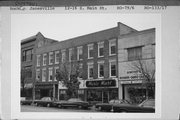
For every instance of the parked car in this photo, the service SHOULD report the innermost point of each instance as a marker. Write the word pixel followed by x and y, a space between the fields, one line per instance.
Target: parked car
pixel 45 101
pixel 72 102
pixel 147 106
pixel 109 106
pixel 25 101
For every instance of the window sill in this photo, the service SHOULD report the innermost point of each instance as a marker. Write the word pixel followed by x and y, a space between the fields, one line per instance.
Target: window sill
pixel 90 58
pixel 100 56
pixel 112 54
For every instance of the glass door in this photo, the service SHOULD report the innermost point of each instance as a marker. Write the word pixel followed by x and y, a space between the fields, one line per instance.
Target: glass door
pixel 105 96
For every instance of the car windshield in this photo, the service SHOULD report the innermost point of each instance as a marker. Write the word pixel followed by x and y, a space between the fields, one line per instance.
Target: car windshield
pixel 46 99
pixel 148 103
pixel 74 100
pixel 120 101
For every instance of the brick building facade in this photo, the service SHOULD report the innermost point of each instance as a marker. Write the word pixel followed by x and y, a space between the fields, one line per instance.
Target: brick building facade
pixel 99 55
pixel 28 60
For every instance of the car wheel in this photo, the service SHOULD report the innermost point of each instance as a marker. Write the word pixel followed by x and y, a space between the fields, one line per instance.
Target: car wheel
pixel 59 106
pixel 80 107
pixel 48 105
pixel 123 111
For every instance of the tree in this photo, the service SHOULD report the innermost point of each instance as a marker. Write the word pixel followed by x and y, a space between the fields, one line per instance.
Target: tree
pixel 68 75
pixel 146 72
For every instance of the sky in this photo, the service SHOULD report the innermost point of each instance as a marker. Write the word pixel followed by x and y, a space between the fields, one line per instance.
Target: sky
pixel 65 26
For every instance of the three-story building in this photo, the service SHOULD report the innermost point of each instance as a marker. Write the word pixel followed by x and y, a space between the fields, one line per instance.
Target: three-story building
pixel 101 58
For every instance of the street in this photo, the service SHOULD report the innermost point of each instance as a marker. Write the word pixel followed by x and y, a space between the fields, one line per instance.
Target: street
pixel 30 108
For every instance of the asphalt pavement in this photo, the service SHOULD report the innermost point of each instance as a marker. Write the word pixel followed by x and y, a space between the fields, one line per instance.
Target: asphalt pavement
pixel 30 108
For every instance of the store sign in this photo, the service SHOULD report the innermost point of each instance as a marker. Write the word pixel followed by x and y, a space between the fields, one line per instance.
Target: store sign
pixel 130 81
pixel 101 83
pixel 44 86
pixel 132 75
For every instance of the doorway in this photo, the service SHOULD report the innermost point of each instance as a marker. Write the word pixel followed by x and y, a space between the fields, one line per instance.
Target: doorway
pixel 105 96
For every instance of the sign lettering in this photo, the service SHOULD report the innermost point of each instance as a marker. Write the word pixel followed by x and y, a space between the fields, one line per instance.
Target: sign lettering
pixel 102 83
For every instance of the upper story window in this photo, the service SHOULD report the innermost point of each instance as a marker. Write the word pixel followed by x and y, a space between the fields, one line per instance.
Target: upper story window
pixel 56 57
pixel 56 70
pixel 50 74
pixel 134 53
pixel 112 47
pixel 101 49
pixel 90 70
pixel 80 70
pixel 50 58
pixel 70 54
pixel 112 65
pixel 27 55
pixel 44 59
pixel 28 71
pixel 43 74
pixel 37 74
pixel 90 51
pixel 101 69
pixel 38 60
pixel 63 52
pixel 79 53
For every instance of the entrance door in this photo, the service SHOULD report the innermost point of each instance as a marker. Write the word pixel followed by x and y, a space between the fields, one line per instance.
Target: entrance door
pixel 105 96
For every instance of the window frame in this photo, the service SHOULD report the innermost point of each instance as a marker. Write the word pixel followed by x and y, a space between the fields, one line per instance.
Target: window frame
pixel 110 63
pixel 110 45
pixel 100 63
pixel 99 46
pixel 63 56
pixel 92 65
pixel 90 45
pixel 57 52
pixel 38 79
pixel 81 70
pixel 49 76
pixel 44 80
pixel 51 53
pixel 25 55
pixel 135 56
pixel 55 69
pixel 38 60
pixel 70 54
pixel 78 52
pixel 45 54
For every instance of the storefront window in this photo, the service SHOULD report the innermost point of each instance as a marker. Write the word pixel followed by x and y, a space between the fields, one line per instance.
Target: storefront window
pixel 105 95
pixel 93 95
pixel 62 95
pixel 81 94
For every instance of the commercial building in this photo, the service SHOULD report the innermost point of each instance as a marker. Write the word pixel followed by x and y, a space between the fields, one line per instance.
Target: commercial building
pixel 136 60
pixel 100 57
pixel 28 60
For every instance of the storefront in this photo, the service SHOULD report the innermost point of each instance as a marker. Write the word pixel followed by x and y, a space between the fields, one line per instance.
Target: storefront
pixel 135 91
pixel 27 91
pixel 101 90
pixel 46 90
